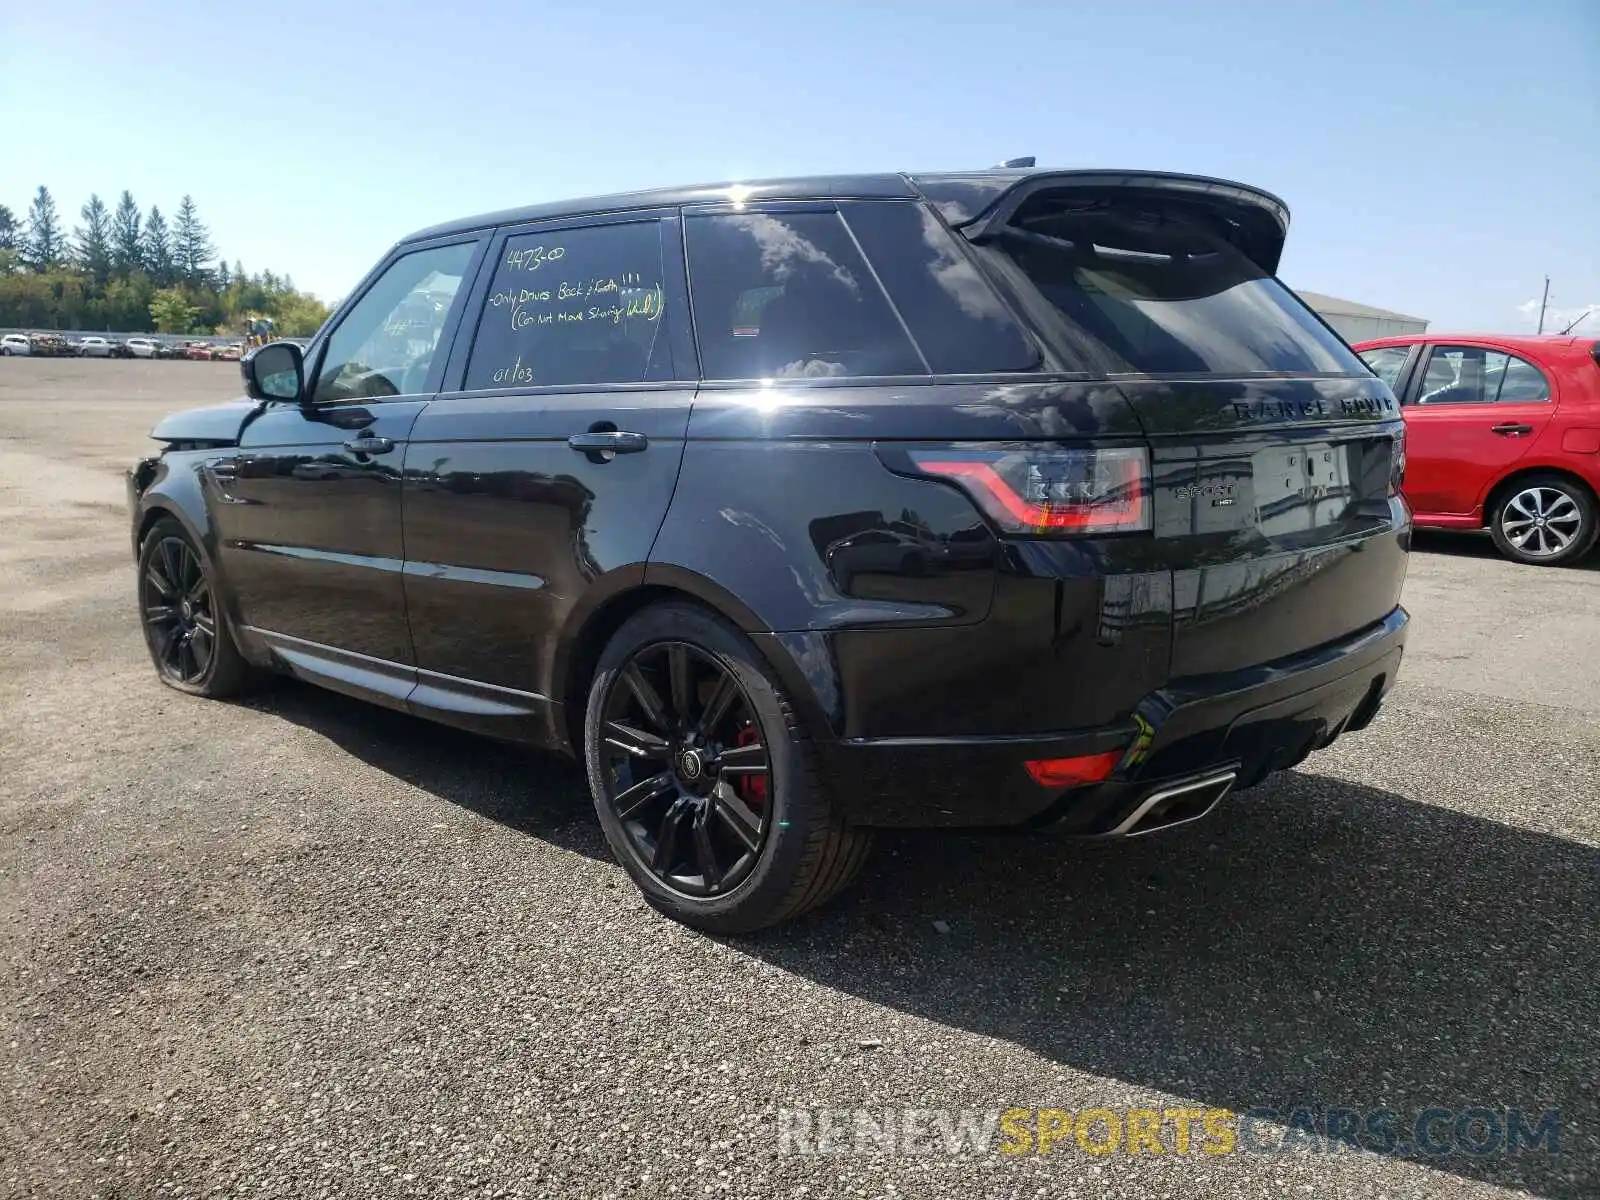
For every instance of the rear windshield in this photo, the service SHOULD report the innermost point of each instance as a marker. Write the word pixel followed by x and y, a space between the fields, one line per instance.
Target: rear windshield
pixel 1128 290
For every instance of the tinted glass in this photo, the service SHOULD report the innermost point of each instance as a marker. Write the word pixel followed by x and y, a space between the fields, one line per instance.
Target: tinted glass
pixel 1387 362
pixel 575 307
pixel 1473 375
pixel 1135 292
pixel 1522 382
pixel 960 324
pixel 786 296
pixel 386 343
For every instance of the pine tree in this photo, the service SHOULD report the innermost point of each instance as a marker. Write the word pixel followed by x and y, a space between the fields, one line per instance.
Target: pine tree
pixel 127 237
pixel 156 248
pixel 10 231
pixel 43 245
pixel 93 239
pixel 191 242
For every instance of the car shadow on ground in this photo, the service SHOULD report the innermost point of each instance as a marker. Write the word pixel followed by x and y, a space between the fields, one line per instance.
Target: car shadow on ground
pixel 545 795
pixel 1480 545
pixel 1315 943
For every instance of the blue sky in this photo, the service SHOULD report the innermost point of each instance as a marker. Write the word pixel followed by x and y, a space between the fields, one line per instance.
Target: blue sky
pixel 1439 158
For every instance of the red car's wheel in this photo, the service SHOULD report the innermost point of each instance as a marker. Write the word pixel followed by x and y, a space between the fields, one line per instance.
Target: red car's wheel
pixel 1544 520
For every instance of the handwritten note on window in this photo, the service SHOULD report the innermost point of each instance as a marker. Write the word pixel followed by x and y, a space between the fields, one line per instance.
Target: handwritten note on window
pixel 585 306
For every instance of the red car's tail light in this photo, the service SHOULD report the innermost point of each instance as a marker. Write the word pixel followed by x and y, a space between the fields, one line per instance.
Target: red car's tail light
pixel 1070 772
pixel 1050 490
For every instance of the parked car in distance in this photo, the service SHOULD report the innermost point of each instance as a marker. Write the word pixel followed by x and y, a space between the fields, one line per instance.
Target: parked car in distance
pixel 142 347
pixel 805 508
pixel 1503 433
pixel 232 352
pixel 94 346
pixel 197 350
pixel 51 345
pixel 15 344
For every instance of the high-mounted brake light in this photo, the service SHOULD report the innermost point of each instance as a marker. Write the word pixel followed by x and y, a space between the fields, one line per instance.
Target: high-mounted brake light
pixel 1050 490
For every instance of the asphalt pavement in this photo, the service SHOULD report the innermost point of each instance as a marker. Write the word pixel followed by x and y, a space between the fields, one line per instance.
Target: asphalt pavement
pixel 297 946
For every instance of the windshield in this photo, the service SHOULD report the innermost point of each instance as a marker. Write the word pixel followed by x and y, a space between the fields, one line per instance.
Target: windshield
pixel 1130 290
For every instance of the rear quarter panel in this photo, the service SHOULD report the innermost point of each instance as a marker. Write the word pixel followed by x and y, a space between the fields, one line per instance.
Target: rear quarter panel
pixel 884 596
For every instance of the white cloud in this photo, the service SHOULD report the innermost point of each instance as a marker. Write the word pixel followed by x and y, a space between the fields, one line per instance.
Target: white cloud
pixel 1557 318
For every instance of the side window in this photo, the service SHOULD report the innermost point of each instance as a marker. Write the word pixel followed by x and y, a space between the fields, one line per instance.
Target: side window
pixel 575 307
pixel 961 325
pixel 1474 375
pixel 787 296
pixel 386 343
pixel 1387 362
pixel 1523 382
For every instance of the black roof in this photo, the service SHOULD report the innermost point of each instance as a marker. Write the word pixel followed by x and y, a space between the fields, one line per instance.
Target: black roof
pixel 962 195
pixel 813 187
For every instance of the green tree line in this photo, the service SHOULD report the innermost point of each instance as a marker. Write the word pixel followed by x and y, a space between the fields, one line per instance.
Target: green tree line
pixel 128 269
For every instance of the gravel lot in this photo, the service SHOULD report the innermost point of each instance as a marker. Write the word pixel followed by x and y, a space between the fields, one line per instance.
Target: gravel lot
pixel 303 947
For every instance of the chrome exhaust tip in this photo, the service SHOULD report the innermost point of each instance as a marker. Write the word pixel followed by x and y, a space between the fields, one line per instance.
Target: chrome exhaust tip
pixel 1175 804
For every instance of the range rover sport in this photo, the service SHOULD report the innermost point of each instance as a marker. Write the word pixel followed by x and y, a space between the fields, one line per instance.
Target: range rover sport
pixel 1009 500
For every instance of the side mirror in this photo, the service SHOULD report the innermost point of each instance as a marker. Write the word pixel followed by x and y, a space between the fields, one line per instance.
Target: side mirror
pixel 276 371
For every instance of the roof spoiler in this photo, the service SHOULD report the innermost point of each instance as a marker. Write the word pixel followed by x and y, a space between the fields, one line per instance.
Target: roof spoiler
pixel 1258 221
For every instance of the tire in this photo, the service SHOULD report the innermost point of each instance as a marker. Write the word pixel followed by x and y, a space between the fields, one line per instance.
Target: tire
pixel 803 852
pixel 177 605
pixel 1544 520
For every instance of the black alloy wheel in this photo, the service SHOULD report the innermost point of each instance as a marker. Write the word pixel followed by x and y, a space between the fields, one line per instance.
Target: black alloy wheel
pixel 687 775
pixel 705 781
pixel 190 643
pixel 176 603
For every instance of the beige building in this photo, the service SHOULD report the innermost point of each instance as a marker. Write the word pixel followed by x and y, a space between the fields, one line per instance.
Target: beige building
pixel 1358 322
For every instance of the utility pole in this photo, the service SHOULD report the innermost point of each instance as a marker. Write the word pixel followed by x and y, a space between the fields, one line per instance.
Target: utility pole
pixel 1544 302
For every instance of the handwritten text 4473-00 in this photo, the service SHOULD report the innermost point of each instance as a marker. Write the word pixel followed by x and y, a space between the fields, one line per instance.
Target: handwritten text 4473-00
pixel 532 258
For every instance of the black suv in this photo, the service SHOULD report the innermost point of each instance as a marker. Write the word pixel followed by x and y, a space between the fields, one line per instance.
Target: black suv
pixel 1011 499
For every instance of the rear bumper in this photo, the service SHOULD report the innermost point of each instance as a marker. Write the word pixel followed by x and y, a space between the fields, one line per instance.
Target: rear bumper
pixel 1196 731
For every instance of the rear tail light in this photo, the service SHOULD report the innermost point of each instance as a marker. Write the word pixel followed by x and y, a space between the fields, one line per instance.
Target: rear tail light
pixel 1049 490
pixel 1072 772
pixel 1397 461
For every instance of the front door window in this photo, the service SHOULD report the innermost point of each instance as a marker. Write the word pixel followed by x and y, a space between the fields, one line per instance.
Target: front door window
pixel 386 344
pixel 1387 362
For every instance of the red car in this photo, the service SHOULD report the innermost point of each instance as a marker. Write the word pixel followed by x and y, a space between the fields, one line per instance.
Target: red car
pixel 1502 432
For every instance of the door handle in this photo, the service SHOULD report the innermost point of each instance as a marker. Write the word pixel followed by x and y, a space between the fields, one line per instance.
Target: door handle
pixel 1511 429
pixel 608 441
pixel 369 445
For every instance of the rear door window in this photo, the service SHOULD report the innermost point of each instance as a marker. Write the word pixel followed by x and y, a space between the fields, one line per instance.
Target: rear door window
pixel 959 322
pixel 786 295
pixel 575 308
pixel 1130 291
pixel 1476 375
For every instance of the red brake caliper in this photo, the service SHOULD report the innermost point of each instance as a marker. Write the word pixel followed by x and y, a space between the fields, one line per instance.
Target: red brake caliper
pixel 752 788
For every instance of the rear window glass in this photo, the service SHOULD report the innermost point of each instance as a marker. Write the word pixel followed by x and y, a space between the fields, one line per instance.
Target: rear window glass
pixel 1150 292
pixel 787 296
pixel 957 319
